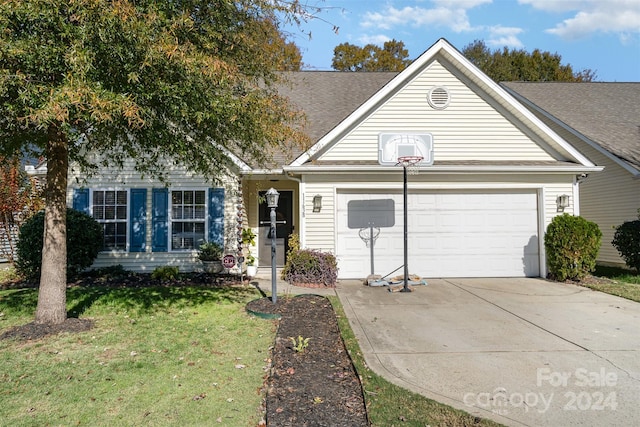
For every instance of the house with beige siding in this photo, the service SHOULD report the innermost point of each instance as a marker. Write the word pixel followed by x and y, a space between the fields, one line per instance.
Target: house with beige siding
pixel 602 120
pixel 493 174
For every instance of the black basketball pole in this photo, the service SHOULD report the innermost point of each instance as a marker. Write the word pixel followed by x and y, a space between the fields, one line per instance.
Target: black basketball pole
pixel 371 241
pixel 405 288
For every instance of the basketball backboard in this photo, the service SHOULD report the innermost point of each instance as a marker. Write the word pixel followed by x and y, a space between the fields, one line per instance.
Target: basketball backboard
pixel 392 146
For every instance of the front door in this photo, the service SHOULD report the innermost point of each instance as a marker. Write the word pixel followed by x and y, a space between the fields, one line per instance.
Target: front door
pixel 284 227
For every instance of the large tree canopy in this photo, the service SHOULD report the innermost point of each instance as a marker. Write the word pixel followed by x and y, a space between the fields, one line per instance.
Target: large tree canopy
pixel 393 56
pixel 518 65
pixel 142 80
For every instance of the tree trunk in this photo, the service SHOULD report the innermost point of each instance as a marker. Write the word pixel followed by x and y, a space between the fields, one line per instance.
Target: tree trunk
pixel 52 295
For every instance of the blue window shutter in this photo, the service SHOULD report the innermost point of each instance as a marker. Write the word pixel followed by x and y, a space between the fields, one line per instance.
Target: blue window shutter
pixel 216 215
pixel 81 200
pixel 138 220
pixel 159 220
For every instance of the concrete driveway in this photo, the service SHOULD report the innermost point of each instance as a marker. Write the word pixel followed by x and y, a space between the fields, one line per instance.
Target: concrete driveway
pixel 519 351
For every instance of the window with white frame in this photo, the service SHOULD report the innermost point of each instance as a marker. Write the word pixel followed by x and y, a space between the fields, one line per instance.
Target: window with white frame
pixel 188 218
pixel 109 208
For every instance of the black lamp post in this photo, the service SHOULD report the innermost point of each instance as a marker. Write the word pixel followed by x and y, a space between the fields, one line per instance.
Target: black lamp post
pixel 272 202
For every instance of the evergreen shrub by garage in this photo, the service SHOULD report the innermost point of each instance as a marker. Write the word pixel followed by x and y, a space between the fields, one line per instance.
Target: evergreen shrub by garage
pixel 308 266
pixel 84 241
pixel 627 241
pixel 572 244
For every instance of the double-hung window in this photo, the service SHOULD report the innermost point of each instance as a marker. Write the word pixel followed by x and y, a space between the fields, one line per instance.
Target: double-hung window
pixel 109 208
pixel 188 219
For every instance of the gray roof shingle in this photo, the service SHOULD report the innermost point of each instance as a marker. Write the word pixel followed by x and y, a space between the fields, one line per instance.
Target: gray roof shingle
pixel 606 113
pixel 328 97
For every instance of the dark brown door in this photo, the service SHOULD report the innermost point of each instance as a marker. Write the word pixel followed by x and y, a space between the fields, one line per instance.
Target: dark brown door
pixel 284 228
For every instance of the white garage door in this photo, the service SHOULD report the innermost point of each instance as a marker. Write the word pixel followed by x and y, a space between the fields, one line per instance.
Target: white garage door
pixel 451 234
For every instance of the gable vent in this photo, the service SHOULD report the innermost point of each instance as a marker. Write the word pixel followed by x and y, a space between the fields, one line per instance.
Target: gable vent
pixel 439 97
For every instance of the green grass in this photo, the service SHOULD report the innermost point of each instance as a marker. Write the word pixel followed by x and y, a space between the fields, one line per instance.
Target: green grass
pixel 156 356
pixel 624 283
pixel 390 405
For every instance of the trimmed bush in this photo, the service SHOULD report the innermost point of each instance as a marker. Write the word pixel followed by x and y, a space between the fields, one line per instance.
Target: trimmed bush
pixel 572 245
pixel 84 241
pixel 306 266
pixel 165 273
pixel 627 241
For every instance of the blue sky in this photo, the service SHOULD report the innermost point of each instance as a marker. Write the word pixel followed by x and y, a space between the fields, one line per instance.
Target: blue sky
pixel 602 35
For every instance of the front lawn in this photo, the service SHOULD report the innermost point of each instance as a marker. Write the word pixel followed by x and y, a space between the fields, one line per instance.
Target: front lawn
pixel 155 356
pixel 618 281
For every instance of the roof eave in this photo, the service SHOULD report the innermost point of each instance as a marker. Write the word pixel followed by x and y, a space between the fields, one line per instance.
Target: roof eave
pixel 457 169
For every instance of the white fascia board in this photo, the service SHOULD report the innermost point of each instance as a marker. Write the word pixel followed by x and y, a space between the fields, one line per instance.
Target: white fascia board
pixel 444 169
pixel 629 168
pixel 36 171
pixel 262 172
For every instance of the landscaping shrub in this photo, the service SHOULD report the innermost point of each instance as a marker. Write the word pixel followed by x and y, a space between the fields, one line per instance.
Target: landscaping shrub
pixel 627 241
pixel 572 245
pixel 165 273
pixel 84 241
pixel 307 266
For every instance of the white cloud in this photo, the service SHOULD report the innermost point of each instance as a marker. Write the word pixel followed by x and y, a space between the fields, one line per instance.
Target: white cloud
pixel 460 4
pixel 377 39
pixel 451 14
pixel 556 5
pixel 505 36
pixel 620 17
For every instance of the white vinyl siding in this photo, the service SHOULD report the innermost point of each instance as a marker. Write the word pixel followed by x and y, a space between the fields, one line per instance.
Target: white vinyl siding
pixel 607 198
pixel 179 178
pixel 468 129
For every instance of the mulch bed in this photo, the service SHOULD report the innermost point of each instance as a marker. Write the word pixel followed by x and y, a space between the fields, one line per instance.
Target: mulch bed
pixel 36 331
pixel 317 386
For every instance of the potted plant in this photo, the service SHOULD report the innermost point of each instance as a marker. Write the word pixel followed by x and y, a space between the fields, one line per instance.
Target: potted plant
pixel 249 239
pixel 252 268
pixel 210 253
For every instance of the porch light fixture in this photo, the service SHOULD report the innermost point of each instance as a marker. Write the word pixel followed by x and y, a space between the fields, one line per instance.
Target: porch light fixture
pixel 317 203
pixel 272 196
pixel 562 202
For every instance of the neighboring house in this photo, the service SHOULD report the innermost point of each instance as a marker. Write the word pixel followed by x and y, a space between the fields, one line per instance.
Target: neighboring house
pixel 602 120
pixel 480 209
pixel 9 231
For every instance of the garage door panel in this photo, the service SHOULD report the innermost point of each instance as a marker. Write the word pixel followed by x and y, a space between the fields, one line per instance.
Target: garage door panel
pixel 451 234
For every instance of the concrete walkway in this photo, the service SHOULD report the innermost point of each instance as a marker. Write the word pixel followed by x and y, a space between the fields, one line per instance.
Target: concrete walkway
pixel 519 351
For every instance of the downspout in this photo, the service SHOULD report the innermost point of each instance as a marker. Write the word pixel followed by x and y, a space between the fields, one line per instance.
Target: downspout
pixel 301 210
pixel 577 179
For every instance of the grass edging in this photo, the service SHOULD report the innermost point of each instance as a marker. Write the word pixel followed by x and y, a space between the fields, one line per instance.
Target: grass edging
pixel 389 404
pixel 620 282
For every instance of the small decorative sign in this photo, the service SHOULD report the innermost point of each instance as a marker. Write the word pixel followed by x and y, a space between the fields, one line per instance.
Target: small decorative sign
pixel 229 261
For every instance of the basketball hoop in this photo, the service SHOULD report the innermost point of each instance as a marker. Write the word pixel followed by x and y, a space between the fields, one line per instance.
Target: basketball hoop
pixel 411 164
pixel 369 234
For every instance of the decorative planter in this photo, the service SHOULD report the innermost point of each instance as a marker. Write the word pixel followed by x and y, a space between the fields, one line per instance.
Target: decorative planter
pixel 252 270
pixel 212 266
